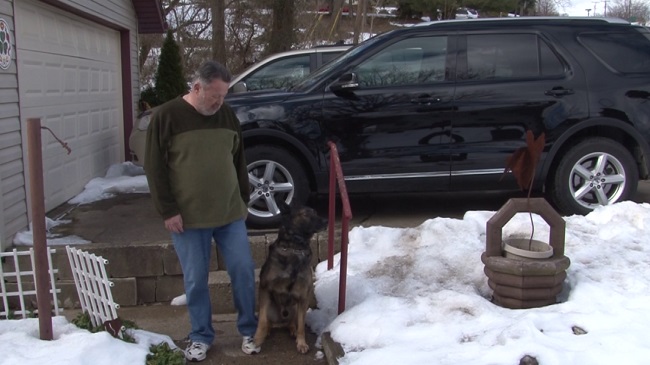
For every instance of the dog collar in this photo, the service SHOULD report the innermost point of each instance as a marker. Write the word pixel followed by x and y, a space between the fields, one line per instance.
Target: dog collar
pixel 295 251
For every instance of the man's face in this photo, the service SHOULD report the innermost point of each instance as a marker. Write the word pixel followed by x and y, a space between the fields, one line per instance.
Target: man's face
pixel 210 96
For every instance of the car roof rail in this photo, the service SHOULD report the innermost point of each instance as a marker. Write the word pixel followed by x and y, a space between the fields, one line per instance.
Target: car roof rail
pixel 339 43
pixel 526 19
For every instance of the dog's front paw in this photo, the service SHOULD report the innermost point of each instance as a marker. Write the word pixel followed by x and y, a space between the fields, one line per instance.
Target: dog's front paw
pixel 302 347
pixel 259 340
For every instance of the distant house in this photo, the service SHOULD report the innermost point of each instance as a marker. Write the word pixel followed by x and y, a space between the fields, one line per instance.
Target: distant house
pixel 74 65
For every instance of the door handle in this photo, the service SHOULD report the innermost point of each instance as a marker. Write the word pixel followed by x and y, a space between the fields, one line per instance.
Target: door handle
pixel 557 92
pixel 425 99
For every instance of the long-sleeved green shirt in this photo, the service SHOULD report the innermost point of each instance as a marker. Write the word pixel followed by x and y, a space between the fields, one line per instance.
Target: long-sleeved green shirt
pixel 195 165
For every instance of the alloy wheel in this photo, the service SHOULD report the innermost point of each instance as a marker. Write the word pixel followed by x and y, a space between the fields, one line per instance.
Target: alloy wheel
pixel 597 179
pixel 269 182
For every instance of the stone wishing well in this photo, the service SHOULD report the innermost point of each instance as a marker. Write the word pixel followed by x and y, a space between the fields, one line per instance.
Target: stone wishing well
pixel 520 283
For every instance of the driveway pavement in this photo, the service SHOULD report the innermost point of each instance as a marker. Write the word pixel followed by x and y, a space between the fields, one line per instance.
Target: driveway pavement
pixel 132 217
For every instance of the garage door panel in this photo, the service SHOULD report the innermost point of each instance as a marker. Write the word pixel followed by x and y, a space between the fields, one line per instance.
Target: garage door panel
pixel 57 79
pixel 50 30
pixel 70 77
pixel 99 123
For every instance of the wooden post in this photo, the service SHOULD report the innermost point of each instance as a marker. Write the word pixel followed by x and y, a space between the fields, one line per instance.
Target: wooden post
pixel 35 159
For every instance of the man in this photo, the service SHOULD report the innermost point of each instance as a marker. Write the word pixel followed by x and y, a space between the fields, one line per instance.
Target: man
pixel 197 175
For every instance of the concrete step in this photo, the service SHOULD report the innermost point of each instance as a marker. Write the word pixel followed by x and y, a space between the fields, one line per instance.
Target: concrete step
pixel 148 273
pixel 221 291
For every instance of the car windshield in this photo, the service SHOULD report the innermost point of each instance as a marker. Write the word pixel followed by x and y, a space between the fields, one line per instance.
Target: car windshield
pixel 317 75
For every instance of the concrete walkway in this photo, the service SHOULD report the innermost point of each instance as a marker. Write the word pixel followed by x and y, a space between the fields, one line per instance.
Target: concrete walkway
pixel 173 321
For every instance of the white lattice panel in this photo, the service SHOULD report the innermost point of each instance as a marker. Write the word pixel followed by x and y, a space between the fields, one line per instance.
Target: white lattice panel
pixel 23 278
pixel 93 285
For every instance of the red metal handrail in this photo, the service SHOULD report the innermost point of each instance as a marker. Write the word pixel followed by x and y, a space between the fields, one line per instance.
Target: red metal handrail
pixel 336 179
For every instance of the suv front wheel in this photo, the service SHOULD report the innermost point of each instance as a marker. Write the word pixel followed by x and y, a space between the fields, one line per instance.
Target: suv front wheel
pixel 274 176
pixel 597 171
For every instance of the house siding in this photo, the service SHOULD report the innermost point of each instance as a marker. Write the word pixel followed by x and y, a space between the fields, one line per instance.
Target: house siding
pixel 13 210
pixel 14 216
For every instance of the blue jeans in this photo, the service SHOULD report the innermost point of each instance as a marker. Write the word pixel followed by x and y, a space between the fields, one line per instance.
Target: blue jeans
pixel 194 247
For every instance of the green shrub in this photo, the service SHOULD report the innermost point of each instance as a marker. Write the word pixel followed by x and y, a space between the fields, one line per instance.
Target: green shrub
pixel 149 95
pixel 82 320
pixel 169 79
pixel 160 354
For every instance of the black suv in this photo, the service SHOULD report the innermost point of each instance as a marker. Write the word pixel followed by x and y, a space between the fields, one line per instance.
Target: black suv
pixel 441 107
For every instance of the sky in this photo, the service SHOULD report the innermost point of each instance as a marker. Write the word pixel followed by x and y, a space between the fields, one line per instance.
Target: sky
pixel 577 8
pixel 419 296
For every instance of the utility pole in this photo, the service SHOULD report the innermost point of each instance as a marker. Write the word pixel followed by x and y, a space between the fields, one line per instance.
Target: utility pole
pixel 595 3
pixel 605 11
pixel 587 10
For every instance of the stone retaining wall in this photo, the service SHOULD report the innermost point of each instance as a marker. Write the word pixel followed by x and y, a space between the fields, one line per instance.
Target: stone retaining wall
pixel 146 273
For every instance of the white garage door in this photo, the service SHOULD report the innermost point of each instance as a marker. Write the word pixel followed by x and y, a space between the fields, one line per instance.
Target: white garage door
pixel 69 76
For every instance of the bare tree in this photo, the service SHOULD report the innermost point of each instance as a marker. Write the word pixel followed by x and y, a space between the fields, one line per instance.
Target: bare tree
pixel 147 42
pixel 238 33
pixel 282 34
pixel 217 9
pixel 359 20
pixel 546 8
pixel 335 20
pixel 637 11
pixel 191 21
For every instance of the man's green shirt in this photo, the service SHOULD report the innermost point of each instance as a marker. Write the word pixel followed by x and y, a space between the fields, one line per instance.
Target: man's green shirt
pixel 195 165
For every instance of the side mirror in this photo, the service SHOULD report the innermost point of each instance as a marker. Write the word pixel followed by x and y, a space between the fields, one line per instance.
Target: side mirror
pixel 345 84
pixel 239 87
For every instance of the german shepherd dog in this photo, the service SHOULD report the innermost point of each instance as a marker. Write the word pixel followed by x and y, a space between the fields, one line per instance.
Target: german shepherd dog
pixel 286 278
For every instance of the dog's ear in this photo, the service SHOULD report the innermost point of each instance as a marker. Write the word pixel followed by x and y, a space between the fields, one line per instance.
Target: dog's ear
pixel 284 207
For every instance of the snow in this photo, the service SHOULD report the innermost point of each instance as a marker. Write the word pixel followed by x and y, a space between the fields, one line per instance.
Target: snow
pixel 20 344
pixel 419 296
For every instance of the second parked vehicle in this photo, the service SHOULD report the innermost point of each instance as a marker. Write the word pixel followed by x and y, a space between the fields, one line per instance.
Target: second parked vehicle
pixel 279 71
pixel 283 70
pixel 441 107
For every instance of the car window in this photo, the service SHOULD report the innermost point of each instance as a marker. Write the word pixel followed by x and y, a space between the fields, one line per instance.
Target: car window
pixel 326 72
pixel 410 61
pixel 505 56
pixel 623 52
pixel 328 56
pixel 279 74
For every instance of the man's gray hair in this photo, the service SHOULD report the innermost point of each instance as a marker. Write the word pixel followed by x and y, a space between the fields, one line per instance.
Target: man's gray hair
pixel 210 71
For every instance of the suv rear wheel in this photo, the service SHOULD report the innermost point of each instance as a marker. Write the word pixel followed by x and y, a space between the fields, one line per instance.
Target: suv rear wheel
pixel 273 175
pixel 596 171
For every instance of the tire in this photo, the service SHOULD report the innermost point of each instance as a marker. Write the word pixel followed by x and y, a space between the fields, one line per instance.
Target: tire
pixel 597 171
pixel 288 182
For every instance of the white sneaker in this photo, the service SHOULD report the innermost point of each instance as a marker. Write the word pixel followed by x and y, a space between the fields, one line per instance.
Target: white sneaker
pixel 248 346
pixel 196 351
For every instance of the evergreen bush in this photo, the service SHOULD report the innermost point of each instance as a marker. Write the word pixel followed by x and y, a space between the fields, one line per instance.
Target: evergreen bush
pixel 169 80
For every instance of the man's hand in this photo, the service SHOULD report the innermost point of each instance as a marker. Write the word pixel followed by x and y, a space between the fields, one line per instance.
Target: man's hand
pixel 174 224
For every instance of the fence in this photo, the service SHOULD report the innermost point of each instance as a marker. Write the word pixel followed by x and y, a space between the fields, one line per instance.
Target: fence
pixel 23 288
pixel 336 180
pixel 93 286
